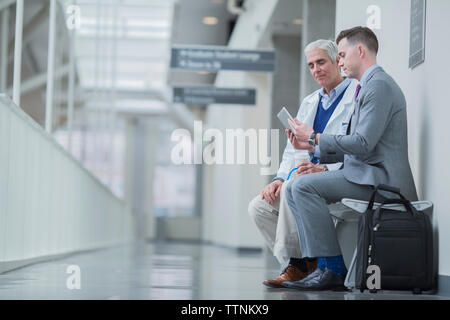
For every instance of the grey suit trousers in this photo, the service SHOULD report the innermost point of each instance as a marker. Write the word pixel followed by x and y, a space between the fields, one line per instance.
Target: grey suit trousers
pixel 308 197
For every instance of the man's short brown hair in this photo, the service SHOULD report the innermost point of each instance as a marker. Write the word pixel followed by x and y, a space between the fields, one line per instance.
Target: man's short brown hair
pixel 360 35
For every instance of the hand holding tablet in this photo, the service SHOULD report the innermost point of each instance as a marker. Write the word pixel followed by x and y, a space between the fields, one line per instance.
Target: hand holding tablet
pixel 284 115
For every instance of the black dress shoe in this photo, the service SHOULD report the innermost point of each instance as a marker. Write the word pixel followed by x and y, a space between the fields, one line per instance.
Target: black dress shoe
pixel 318 280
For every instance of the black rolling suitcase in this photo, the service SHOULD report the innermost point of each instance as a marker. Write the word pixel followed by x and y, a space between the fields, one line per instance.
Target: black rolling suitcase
pixel 400 243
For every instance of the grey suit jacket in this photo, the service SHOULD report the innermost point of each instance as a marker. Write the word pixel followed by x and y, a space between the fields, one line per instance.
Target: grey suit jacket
pixel 376 150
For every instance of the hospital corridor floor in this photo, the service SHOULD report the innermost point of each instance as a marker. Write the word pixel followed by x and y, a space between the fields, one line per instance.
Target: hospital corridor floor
pixel 164 270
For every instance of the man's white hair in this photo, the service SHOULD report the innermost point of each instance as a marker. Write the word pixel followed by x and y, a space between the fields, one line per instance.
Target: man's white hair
pixel 329 46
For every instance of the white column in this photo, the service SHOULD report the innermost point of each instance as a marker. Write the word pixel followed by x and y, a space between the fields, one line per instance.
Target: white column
pixel 113 87
pixel 50 68
pixel 4 50
pixel 18 52
pixel 129 174
pixel 318 23
pixel 71 89
pixel 95 128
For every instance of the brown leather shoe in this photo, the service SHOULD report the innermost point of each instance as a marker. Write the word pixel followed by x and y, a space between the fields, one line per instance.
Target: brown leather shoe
pixel 291 273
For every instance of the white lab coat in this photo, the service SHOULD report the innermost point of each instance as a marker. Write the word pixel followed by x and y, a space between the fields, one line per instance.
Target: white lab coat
pixel 337 124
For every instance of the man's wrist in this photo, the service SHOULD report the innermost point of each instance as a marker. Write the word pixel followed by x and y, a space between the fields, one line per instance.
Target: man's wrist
pixel 312 139
pixel 316 139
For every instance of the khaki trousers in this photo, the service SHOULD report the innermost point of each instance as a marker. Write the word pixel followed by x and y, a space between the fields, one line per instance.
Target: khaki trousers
pixel 277 226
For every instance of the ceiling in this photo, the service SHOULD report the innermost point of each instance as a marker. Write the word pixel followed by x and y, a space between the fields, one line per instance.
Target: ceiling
pixel 189 29
pixel 126 49
pixel 122 51
pixel 286 19
pixel 122 48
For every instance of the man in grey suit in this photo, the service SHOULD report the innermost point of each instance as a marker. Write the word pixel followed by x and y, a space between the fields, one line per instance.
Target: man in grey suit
pixel 375 151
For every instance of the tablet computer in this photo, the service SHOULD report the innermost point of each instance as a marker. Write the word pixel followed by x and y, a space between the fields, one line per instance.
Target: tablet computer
pixel 284 115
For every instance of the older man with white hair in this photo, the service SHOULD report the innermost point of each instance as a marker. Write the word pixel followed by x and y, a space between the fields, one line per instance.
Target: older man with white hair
pixel 328 110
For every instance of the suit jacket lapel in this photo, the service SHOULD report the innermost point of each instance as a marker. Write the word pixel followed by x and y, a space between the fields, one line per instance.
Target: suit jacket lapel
pixel 355 117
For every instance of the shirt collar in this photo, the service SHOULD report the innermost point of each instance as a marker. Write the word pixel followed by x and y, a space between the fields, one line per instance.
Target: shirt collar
pixel 367 74
pixel 337 90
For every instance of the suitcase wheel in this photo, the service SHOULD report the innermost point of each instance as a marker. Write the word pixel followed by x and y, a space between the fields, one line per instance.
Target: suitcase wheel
pixel 373 291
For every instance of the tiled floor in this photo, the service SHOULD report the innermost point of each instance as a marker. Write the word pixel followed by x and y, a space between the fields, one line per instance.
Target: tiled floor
pixel 164 271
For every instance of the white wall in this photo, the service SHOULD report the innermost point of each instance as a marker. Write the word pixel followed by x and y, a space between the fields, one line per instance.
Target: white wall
pixel 229 188
pixel 425 91
pixel 49 204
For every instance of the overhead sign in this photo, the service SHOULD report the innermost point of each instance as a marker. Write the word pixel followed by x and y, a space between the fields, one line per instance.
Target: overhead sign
pixel 213 95
pixel 217 58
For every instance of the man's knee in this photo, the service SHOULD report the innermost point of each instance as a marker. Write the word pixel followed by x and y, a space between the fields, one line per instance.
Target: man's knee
pixel 260 210
pixel 255 208
pixel 288 189
pixel 303 184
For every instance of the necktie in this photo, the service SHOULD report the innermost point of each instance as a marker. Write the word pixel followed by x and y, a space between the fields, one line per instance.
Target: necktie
pixel 358 88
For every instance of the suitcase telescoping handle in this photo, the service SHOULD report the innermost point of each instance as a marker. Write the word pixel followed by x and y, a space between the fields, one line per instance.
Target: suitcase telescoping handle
pixel 384 188
pixel 408 207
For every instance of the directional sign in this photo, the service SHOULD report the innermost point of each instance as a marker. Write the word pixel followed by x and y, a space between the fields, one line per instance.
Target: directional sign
pixel 217 58
pixel 213 95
